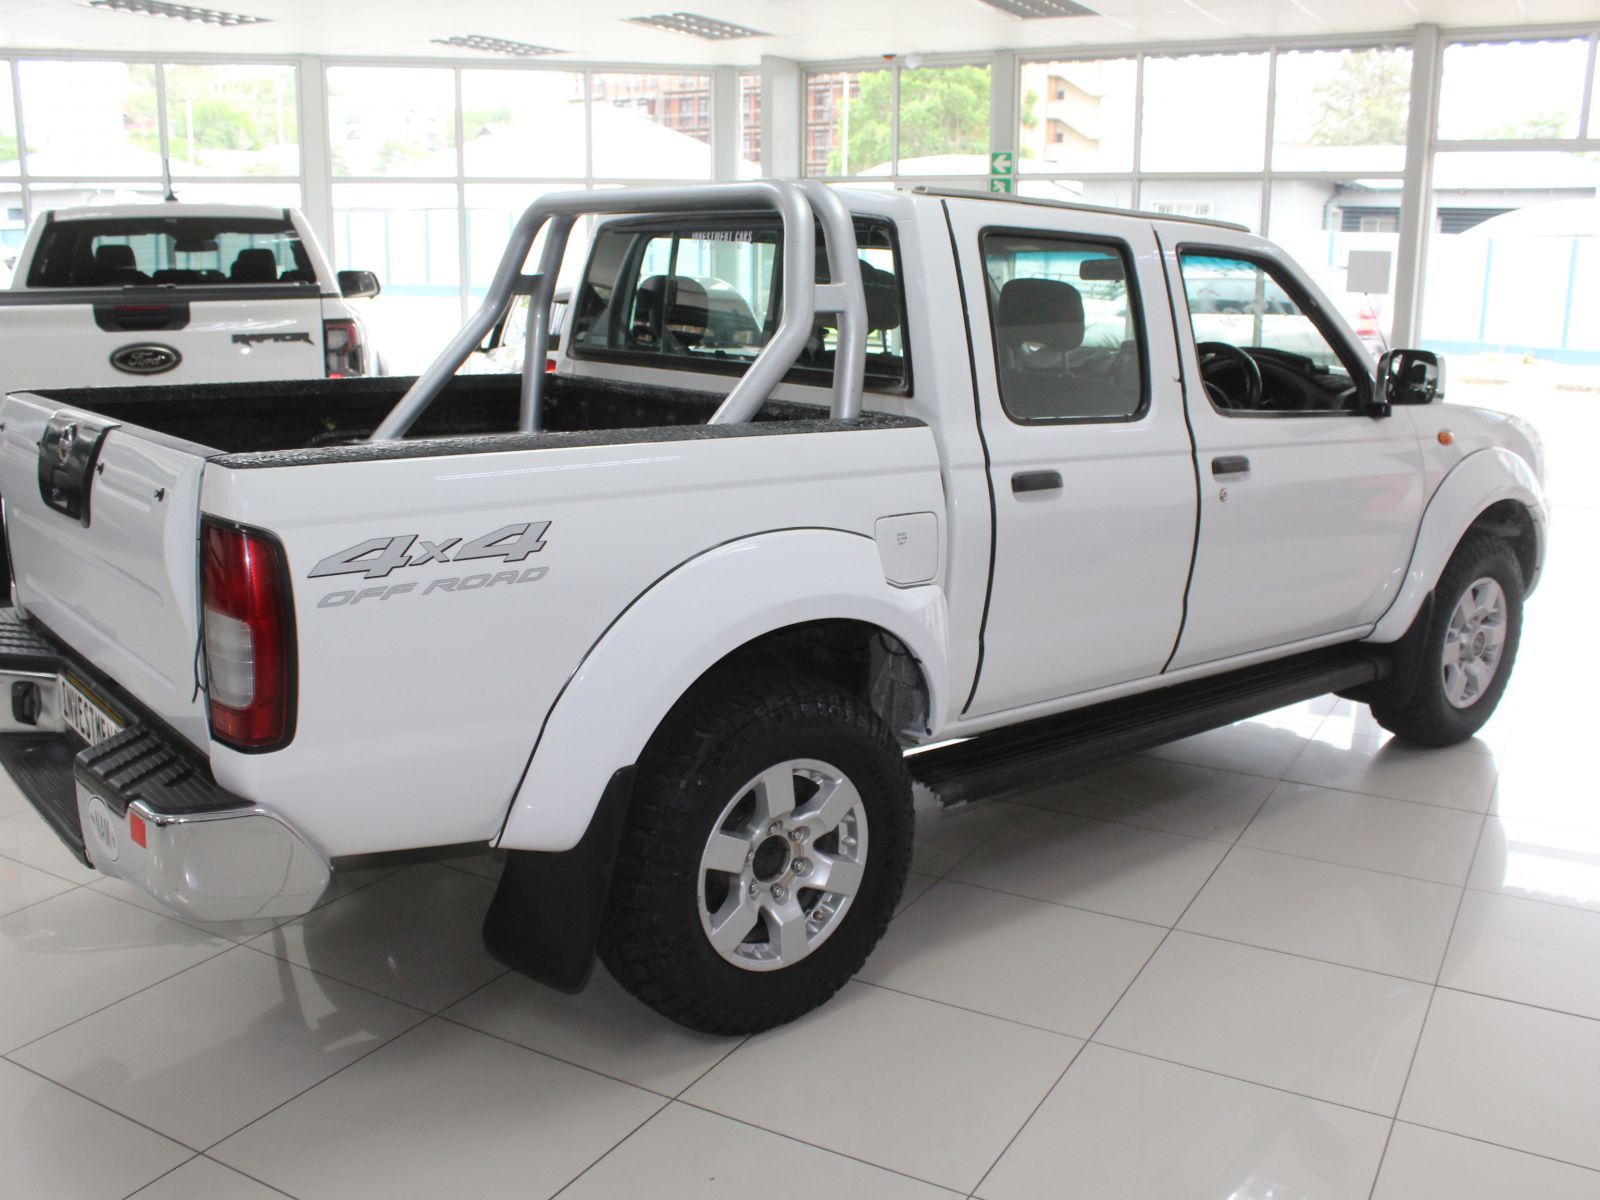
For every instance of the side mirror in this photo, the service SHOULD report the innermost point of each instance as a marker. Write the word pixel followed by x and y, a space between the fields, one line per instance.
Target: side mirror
pixel 357 285
pixel 1410 377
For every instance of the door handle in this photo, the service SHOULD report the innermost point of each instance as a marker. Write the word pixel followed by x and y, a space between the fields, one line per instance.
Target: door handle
pixel 1036 481
pixel 1230 464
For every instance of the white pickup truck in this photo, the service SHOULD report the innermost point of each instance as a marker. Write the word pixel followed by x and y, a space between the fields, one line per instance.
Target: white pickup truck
pixel 178 293
pixel 821 478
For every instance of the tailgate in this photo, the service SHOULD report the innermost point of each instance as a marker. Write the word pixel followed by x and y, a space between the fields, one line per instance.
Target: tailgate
pixel 103 337
pixel 103 547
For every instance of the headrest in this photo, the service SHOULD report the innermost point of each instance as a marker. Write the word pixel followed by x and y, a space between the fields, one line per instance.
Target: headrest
pixel 688 312
pixel 1046 311
pixel 255 266
pixel 115 258
pixel 883 297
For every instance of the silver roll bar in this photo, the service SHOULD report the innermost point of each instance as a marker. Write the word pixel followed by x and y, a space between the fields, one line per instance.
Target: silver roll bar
pixel 800 206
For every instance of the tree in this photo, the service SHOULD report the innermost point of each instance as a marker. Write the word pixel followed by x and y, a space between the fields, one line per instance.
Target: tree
pixel 943 110
pixel 1542 125
pixel 1365 103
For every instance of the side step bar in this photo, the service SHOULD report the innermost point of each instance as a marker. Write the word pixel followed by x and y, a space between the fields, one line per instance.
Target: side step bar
pixel 1021 756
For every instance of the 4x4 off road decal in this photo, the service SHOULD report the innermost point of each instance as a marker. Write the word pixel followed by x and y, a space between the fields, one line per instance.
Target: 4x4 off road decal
pixel 378 558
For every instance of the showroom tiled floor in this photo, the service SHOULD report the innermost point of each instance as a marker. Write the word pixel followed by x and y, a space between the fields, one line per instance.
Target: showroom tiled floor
pixel 1285 959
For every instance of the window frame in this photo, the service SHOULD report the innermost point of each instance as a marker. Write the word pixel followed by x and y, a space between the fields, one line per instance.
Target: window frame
pixel 1129 259
pixel 805 376
pixel 1336 334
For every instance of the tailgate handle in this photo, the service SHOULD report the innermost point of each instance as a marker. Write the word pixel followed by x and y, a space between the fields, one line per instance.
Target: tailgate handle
pixel 67 454
pixel 1036 481
pixel 142 318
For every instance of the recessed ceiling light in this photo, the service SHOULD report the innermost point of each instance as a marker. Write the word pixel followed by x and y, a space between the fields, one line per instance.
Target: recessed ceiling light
pixel 494 45
pixel 709 28
pixel 176 12
pixel 1037 10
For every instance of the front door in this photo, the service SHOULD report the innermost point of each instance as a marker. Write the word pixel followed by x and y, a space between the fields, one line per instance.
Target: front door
pixel 1309 504
pixel 1088 453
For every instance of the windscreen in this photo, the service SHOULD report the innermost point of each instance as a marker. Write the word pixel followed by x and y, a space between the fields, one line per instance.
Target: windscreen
pixel 182 251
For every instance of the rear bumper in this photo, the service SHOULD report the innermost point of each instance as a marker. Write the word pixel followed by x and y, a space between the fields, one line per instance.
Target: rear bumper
pixel 142 806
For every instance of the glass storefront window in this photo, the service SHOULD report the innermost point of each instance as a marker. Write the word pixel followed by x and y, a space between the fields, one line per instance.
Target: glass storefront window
pixel 1341 110
pixel 392 120
pixel 111 127
pixel 1236 200
pixel 1204 112
pixel 651 126
pixel 492 211
pixel 43 197
pixel 232 118
pixel 1512 91
pixel 849 123
pixel 944 121
pixel 750 128
pixel 524 124
pixel 1077 116
pixel 272 195
pixel 9 162
pixel 1108 193
pixel 13 228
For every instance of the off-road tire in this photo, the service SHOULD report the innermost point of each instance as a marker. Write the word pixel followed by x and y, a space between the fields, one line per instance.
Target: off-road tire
pixel 653 941
pixel 1424 715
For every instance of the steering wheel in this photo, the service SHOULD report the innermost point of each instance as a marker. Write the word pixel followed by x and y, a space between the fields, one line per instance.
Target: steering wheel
pixel 1220 358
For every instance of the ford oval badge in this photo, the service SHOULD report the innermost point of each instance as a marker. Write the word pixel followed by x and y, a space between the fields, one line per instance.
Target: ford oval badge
pixel 147 358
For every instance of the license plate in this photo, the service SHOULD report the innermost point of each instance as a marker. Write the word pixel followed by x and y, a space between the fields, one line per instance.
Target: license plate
pixel 85 715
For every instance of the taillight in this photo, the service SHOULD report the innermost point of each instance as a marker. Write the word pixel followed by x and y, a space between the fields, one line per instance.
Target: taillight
pixel 346 355
pixel 249 637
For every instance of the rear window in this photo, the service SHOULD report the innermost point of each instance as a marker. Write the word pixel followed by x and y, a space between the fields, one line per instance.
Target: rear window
pixel 707 298
pixel 177 251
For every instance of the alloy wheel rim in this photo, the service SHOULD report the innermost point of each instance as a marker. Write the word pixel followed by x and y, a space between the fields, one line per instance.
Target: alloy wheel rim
pixel 783 864
pixel 1474 643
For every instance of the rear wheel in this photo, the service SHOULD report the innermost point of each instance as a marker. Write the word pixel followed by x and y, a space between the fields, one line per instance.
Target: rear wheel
pixel 765 851
pixel 1465 648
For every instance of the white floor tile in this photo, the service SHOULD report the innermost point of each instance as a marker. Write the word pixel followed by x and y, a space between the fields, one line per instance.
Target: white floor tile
pixel 1424 1164
pixel 22 885
pixel 1320 1030
pixel 1256 747
pixel 1026 960
pixel 478 859
pixel 440 1111
pixel 1404 838
pixel 1550 785
pixel 945 836
pixel 908 1084
pixel 1453 778
pixel 27 839
pixel 602 1028
pixel 1509 1074
pixel 1135 1128
pixel 916 887
pixel 1522 950
pixel 1157 793
pixel 1539 862
pixel 1136 873
pixel 202 1179
pixel 199 1056
pixel 1341 914
pixel 686 1153
pixel 57 1146
pixel 67 956
pixel 11 800
pixel 414 936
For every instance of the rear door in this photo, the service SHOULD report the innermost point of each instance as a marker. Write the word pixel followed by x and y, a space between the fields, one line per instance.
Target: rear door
pixel 1089 457
pixel 103 546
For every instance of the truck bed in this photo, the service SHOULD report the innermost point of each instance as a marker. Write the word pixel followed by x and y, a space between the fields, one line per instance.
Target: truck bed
pixel 303 421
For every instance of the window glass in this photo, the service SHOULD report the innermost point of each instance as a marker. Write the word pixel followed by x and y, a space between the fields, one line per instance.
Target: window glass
pixel 493 209
pixel 523 124
pixel 42 197
pixel 651 126
pixel 1204 112
pixel 1512 90
pixel 944 121
pixel 1259 351
pixel 1339 110
pixel 710 296
pixel 749 125
pixel 1236 200
pixel 13 227
pixel 191 252
pixel 1110 193
pixel 232 119
pixel 1067 337
pixel 110 127
pixel 849 123
pixel 9 163
pixel 392 120
pixel 1078 116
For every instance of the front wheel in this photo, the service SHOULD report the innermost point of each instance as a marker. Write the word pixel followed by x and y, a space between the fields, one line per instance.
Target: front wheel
pixel 765 851
pixel 1466 647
